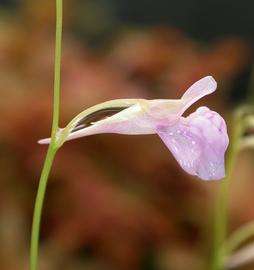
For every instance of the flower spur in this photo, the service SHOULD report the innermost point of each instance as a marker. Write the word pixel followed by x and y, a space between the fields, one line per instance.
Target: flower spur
pixel 198 142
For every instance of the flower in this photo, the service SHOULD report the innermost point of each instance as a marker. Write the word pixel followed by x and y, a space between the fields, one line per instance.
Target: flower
pixel 198 142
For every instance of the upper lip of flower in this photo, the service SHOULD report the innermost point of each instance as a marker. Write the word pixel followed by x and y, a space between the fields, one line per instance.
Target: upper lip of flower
pixel 163 117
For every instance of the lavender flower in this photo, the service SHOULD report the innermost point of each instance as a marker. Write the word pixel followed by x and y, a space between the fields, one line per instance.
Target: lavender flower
pixel 198 142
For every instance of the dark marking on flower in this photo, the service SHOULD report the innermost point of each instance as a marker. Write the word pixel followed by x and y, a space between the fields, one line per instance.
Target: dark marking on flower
pixel 89 119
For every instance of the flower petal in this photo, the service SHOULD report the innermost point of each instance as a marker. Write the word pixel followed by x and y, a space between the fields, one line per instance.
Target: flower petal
pixel 198 143
pixel 137 116
pixel 172 109
pixel 199 89
pixel 131 121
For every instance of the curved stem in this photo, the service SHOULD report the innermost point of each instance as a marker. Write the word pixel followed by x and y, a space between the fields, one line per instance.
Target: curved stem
pixel 52 147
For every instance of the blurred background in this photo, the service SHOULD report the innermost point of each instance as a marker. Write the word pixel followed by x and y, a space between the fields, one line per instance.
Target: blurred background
pixel 116 202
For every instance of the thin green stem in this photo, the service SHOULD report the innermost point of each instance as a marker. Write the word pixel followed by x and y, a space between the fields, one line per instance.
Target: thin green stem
pixel 57 75
pixel 221 208
pixel 53 145
pixel 220 224
pixel 38 207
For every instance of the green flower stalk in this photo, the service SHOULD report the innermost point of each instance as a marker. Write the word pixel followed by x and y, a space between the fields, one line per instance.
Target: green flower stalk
pixel 52 147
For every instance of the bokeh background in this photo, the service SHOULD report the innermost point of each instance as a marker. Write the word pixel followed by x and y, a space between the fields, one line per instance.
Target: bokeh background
pixel 116 202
